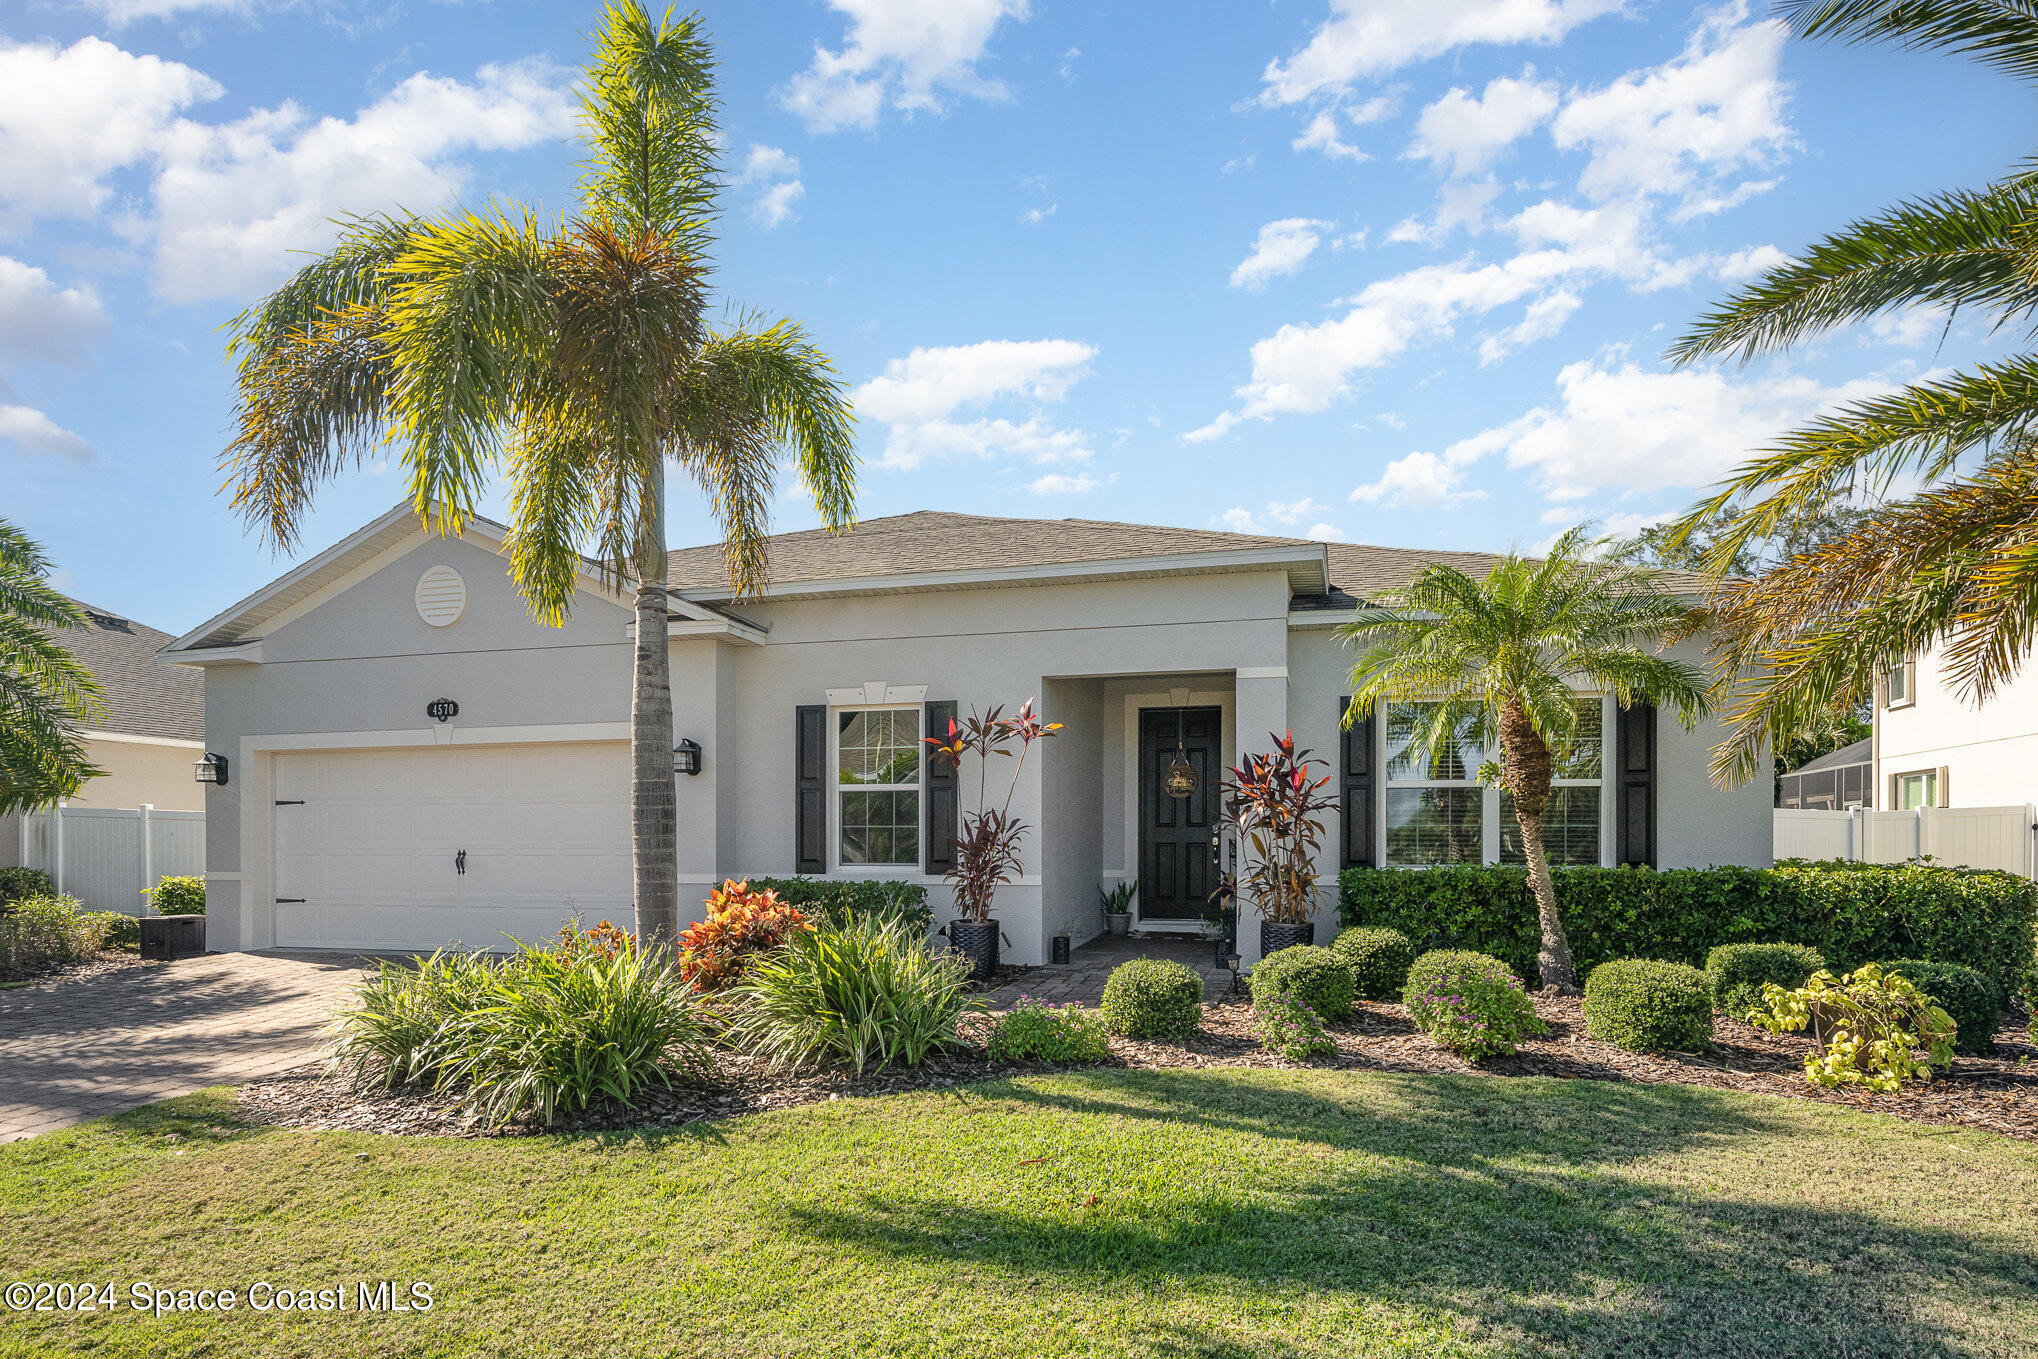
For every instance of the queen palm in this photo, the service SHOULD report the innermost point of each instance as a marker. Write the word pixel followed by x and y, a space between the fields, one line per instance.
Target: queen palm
pixel 45 693
pixel 1494 664
pixel 1956 563
pixel 572 361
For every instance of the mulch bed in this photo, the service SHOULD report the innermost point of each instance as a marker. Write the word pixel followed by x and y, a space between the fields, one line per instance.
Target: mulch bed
pixel 1998 1093
pixel 96 966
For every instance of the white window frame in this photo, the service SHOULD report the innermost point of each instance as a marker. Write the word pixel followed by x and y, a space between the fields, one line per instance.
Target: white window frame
pixel 1931 780
pixel 1489 804
pixel 1907 674
pixel 890 870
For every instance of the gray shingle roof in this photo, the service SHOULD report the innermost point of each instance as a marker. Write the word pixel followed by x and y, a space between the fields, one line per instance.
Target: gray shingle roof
pixel 1860 752
pixel 936 540
pixel 142 695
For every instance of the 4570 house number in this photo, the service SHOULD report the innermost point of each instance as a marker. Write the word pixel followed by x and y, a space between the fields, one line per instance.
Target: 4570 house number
pixel 357 1295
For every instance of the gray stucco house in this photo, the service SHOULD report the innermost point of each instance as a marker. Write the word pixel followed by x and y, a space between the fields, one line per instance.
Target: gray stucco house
pixel 354 817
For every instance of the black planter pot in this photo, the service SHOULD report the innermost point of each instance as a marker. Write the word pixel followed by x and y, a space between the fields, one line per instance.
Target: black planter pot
pixel 979 944
pixel 172 936
pixel 1275 935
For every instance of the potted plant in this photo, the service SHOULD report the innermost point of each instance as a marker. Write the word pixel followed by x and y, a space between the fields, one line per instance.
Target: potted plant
pixel 987 845
pixel 1118 907
pixel 1277 808
pixel 177 930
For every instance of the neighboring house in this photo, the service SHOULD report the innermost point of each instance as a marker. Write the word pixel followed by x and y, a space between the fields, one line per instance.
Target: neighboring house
pixel 1933 748
pixel 152 731
pixel 1834 782
pixel 412 760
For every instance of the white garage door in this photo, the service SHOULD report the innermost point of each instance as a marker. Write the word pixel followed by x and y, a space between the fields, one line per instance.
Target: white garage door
pixel 372 842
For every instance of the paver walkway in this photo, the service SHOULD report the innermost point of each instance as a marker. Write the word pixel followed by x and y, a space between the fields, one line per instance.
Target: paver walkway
pixel 1081 979
pixel 82 1049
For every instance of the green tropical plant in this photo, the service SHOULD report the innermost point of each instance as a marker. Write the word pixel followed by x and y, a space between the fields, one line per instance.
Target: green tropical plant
pixel 178 896
pixel 1951 565
pixel 1872 1030
pixel 1118 901
pixel 1036 1031
pixel 1494 661
pixel 46 694
pixel 866 995
pixel 572 361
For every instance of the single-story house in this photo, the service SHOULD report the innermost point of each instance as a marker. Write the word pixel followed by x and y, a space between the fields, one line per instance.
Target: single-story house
pixel 1836 781
pixel 412 760
pixel 151 729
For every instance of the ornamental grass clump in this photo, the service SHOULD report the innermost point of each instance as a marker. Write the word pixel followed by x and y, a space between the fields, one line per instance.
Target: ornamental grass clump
pixel 1873 1029
pixel 1153 998
pixel 865 995
pixel 1379 959
pixel 1035 1031
pixel 1310 976
pixel 1470 1003
pixel 1648 1006
pixel 1290 1030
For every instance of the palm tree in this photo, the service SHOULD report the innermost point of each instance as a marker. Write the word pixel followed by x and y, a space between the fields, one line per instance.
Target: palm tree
pixel 1494 664
pixel 1955 564
pixel 570 359
pixel 44 692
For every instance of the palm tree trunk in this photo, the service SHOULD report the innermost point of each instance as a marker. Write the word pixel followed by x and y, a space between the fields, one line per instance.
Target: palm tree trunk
pixel 654 803
pixel 1525 769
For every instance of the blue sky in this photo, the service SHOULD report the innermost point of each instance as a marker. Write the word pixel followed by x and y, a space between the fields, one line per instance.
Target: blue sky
pixel 1398 271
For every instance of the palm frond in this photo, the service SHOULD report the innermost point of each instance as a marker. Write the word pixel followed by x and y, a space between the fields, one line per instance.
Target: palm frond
pixel 1998 33
pixel 649 114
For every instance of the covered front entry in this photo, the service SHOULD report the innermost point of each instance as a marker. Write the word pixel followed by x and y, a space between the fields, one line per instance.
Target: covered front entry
pixel 1176 871
pixel 449 846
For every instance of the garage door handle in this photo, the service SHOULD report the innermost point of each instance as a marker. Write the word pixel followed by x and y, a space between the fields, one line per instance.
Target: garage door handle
pixel 290 901
pixel 460 863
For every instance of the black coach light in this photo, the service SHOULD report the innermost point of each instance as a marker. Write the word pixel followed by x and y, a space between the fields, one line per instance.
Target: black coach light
pixel 211 769
pixel 686 757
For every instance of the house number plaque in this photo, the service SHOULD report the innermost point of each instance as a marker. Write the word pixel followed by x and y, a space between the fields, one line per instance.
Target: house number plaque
pixel 442 710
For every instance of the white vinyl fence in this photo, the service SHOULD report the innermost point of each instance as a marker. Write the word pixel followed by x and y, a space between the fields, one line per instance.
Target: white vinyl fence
pixel 1966 837
pixel 105 856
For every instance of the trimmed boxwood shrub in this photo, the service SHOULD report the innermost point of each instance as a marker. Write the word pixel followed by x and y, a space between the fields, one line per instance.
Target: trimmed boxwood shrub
pixel 1471 1003
pixel 1961 992
pixel 1852 913
pixel 1153 998
pixel 1379 960
pixel 1737 973
pixel 1308 976
pixel 1645 1005
pixel 842 901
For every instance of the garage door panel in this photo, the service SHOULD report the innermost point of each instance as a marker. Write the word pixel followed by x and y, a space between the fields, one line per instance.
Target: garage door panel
pixel 545 827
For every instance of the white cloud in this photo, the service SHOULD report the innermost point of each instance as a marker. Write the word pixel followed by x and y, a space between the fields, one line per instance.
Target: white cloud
pixel 1466 133
pixel 920 396
pixel 905 53
pixel 1460 204
pixel 1324 131
pixel 70 117
pixel 1239 520
pixel 1366 39
pixel 234 201
pixel 1683 128
pixel 1325 533
pixel 775 174
pixel 1545 317
pixel 120 13
pixel 1427 480
pixel 1035 216
pixel 1281 248
pixel 1066 67
pixel 40 320
pixel 1237 163
pixel 1743 265
pixel 1293 511
pixel 34 432
pixel 1062 483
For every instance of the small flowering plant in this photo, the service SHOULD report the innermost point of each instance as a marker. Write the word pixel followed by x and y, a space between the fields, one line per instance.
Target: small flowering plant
pixel 604 941
pixel 1291 1030
pixel 1470 1003
pixel 1036 1031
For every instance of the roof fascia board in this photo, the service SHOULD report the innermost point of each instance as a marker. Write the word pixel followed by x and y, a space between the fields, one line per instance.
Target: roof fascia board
pixel 1188 562
pixel 131 739
pixel 247 653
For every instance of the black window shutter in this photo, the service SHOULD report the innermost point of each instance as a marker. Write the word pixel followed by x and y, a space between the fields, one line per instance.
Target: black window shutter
pixel 1635 786
pixel 938 853
pixel 1355 788
pixel 810 789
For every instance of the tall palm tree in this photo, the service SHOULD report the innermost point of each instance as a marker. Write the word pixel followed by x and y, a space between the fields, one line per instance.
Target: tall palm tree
pixel 1956 564
pixel 45 694
pixel 570 359
pixel 1496 662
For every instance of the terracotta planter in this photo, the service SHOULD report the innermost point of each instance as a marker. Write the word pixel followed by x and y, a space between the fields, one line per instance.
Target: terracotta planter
pixel 1276 935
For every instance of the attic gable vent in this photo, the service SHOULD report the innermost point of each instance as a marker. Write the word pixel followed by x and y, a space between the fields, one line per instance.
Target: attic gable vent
pixel 441 596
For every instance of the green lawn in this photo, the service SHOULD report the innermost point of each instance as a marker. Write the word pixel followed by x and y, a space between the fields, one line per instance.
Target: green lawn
pixel 1217 1213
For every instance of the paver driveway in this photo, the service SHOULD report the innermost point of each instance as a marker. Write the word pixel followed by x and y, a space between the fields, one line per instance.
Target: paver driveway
pixel 73 1050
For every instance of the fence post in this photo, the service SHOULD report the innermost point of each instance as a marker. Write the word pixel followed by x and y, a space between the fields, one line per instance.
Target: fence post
pixel 1857 834
pixel 148 860
pixel 57 844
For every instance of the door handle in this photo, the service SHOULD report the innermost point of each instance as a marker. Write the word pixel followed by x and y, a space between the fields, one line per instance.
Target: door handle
pixel 460 863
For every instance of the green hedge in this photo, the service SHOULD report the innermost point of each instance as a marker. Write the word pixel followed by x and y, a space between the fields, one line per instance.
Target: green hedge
pixel 844 900
pixel 1852 913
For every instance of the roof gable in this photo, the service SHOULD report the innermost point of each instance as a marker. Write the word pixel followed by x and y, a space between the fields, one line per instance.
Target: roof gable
pixel 142 696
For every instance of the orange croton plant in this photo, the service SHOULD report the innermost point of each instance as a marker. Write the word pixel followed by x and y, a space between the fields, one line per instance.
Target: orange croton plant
pixel 741 922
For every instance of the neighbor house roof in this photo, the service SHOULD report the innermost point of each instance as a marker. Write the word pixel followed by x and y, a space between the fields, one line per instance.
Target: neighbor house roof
pixel 142 696
pixel 924 546
pixel 1860 752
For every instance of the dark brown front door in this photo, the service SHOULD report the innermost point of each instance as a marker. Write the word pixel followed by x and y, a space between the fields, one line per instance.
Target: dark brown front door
pixel 1176 875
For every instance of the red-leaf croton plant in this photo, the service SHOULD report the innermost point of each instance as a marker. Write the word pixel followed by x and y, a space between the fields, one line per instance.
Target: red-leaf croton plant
pixel 987 849
pixel 1276 805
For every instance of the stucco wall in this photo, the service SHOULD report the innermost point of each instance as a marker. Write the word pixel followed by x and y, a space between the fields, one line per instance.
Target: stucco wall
pixel 137 773
pixel 1990 753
